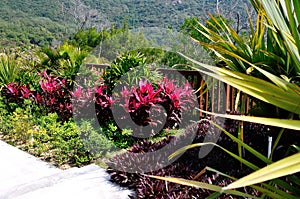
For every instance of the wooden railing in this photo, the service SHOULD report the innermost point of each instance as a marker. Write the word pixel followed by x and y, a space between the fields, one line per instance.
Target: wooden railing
pixel 98 67
pixel 213 96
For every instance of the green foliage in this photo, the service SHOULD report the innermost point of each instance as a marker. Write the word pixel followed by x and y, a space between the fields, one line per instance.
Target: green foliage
pixel 20 65
pixel 67 148
pixel 18 124
pixel 165 133
pixel 88 39
pixel 65 61
pixel 192 27
pixel 264 52
pixel 46 23
pixel 45 137
pixel 142 72
pixel 31 22
pixel 264 49
pixel 96 142
pixel 165 14
pixel 121 41
pixel 120 67
pixel 120 137
pixel 9 68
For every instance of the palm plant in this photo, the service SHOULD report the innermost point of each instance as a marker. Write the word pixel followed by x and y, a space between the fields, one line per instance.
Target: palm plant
pixel 267 68
pixel 65 61
pixel 270 47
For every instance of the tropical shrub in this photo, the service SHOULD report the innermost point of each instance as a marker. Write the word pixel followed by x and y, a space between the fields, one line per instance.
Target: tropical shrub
pixel 121 138
pixel 55 96
pixel 17 124
pixel 127 70
pixel 94 139
pixel 88 39
pixel 139 100
pixel 137 103
pixel 119 67
pixel 16 93
pixel 45 136
pixel 153 105
pixel 103 104
pixel 62 139
pixel 64 61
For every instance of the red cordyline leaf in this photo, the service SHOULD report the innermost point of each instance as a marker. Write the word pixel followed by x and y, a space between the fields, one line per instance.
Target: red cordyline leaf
pixel 63 81
pixel 69 106
pixel 77 92
pixel 99 90
pixel 135 105
pixel 125 93
pixel 38 98
pixel 51 84
pixel 52 100
pixel 110 100
pixel 168 85
pixel 145 87
pixel 136 95
pixel 25 92
pixel 12 87
pixel 154 97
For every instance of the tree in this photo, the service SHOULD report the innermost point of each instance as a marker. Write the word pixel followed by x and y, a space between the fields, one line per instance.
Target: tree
pixel 86 17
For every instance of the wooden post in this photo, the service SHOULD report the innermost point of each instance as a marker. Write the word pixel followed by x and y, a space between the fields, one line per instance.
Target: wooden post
pixel 228 97
pixel 219 96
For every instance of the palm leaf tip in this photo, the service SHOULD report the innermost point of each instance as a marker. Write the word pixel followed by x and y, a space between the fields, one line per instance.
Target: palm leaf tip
pixel 284 167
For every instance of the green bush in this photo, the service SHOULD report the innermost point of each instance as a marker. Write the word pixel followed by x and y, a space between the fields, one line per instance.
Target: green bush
pixel 131 67
pixel 45 137
pixel 120 137
pixel 96 142
pixel 63 140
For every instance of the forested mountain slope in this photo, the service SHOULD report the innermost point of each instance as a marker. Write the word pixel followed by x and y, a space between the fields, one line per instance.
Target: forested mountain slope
pixel 42 21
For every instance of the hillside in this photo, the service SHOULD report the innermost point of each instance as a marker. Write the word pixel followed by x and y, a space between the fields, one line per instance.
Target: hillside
pixel 42 21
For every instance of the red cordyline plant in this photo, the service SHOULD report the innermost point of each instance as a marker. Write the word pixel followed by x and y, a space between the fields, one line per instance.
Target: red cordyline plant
pixel 16 93
pixel 138 100
pixel 55 95
pixel 103 104
pixel 81 99
pixel 164 98
pixel 92 101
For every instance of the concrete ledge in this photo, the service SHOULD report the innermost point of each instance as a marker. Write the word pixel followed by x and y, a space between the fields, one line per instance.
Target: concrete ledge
pixel 23 176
